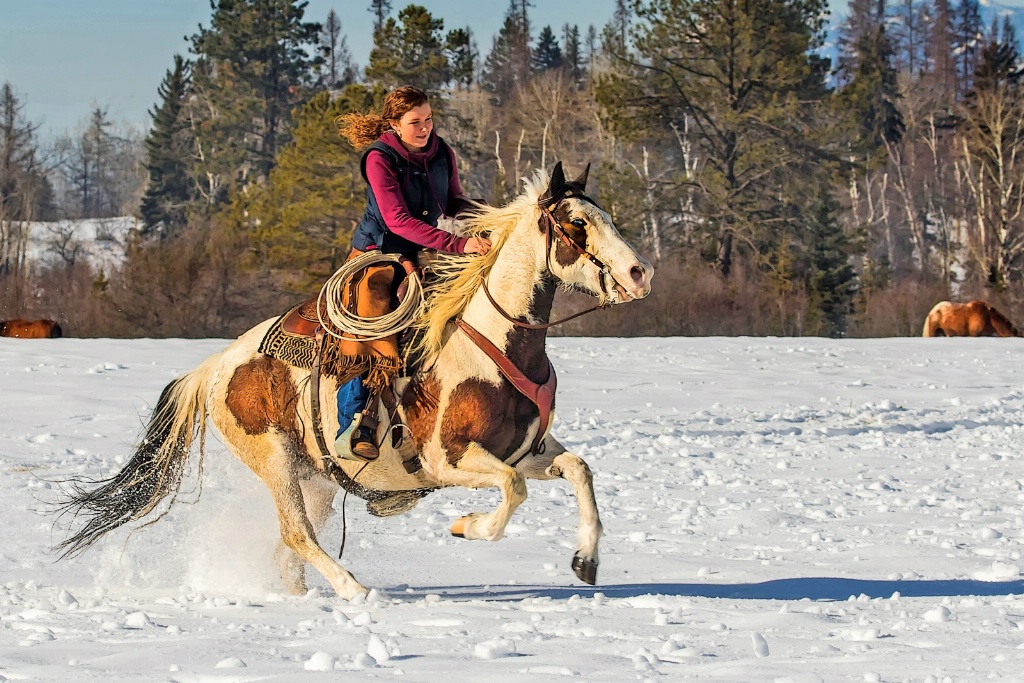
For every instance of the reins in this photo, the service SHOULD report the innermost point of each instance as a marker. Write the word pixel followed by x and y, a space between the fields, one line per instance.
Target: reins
pixel 533 326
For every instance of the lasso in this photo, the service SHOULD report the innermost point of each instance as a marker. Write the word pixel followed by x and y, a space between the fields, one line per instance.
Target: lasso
pixel 342 321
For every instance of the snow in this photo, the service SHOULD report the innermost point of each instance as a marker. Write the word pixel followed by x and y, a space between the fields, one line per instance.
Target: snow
pixel 101 242
pixel 775 510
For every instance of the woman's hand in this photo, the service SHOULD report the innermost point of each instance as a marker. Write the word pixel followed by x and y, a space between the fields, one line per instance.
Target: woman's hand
pixel 477 245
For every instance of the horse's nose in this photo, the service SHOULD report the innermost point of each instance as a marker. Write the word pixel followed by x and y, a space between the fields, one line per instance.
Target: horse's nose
pixel 640 275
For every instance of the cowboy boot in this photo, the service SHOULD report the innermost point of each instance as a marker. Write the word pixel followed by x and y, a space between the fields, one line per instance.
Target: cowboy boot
pixel 358 442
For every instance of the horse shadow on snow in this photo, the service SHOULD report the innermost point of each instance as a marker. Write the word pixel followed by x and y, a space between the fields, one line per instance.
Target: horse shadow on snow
pixel 810 588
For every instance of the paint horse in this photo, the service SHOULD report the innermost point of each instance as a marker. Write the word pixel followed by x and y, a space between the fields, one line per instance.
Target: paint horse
pixel 468 423
pixel 972 319
pixel 30 329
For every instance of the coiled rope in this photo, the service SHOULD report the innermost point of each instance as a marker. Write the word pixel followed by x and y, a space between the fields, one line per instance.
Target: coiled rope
pixel 341 321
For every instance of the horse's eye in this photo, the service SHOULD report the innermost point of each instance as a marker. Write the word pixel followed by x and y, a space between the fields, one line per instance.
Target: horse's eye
pixel 579 222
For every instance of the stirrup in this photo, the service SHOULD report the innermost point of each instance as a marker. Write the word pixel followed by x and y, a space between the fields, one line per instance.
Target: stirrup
pixel 364 449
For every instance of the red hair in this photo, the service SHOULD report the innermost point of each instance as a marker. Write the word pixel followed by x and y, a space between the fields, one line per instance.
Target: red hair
pixel 362 129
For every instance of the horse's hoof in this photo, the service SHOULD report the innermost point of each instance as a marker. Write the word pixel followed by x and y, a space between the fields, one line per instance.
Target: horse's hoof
pixel 585 569
pixel 459 527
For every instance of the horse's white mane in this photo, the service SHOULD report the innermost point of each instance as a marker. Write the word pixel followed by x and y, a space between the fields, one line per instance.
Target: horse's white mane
pixel 459 275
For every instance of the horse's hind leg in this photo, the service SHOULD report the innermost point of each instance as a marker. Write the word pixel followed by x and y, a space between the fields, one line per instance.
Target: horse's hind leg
pixel 298 534
pixel 275 460
pixel 479 469
pixel 318 496
pixel 557 462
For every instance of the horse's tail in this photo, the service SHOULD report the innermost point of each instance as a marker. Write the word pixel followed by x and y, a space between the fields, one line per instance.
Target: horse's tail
pixel 155 470
pixel 56 332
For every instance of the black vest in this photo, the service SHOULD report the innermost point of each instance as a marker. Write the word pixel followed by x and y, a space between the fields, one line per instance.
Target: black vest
pixel 425 193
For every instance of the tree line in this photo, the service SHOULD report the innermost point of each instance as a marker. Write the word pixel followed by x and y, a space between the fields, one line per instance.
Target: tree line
pixel 780 186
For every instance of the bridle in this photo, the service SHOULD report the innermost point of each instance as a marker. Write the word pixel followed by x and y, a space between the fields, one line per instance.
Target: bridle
pixel 541 394
pixel 552 229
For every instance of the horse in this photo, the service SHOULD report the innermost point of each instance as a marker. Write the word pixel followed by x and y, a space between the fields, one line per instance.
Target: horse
pixel 972 319
pixel 30 329
pixel 468 420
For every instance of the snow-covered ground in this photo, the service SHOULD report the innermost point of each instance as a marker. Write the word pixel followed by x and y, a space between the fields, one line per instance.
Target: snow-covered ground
pixel 100 242
pixel 775 510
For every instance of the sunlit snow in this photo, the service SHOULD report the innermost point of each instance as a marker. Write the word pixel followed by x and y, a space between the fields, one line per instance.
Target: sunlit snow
pixel 775 510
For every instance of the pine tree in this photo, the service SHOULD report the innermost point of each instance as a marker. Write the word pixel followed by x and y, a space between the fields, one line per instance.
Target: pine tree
pixel 863 18
pixel 409 51
pixel 252 66
pixel 592 47
pixel 999 60
pixel 547 54
pixel 615 37
pixel 870 91
pixel 303 219
pixel 968 35
pixel 341 70
pixel 508 64
pixel 87 163
pixel 18 159
pixel 741 77
pixel 573 59
pixel 939 51
pixel 167 155
pixel 380 9
pixel 462 55
pixel 831 279
pixel 25 192
pixel 908 37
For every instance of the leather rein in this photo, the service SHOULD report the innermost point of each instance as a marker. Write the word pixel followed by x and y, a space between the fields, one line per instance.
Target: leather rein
pixel 541 394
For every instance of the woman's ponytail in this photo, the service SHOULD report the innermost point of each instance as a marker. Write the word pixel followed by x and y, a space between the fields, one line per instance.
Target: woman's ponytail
pixel 362 130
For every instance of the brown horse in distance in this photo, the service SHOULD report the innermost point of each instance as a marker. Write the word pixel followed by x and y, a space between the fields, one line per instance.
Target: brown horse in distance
pixel 30 329
pixel 972 319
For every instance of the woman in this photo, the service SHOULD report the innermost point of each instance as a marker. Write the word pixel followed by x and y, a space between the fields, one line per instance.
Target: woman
pixel 412 181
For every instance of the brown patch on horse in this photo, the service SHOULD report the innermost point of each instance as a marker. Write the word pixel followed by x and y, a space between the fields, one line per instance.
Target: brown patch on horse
pixel 496 417
pixel 261 395
pixel 971 319
pixel 420 404
pixel 30 329
pixel 525 347
pixel 564 254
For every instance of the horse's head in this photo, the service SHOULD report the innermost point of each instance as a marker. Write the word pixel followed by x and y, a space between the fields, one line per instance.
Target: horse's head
pixel 585 251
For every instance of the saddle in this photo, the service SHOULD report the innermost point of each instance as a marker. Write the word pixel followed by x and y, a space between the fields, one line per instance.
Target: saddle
pixel 302 321
pixel 298 338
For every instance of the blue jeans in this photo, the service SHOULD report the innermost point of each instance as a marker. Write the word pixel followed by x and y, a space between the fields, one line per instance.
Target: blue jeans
pixel 352 398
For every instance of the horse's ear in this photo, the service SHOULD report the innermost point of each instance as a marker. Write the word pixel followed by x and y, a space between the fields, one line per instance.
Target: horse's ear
pixel 582 180
pixel 557 181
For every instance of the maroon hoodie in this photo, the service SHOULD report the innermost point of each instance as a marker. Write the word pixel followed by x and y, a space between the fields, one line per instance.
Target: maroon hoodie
pixel 387 189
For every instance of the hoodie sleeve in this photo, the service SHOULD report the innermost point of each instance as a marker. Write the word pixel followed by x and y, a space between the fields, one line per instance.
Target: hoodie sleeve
pixel 388 191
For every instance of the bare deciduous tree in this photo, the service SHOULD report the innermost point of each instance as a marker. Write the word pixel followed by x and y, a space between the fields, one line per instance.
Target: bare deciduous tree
pixel 991 165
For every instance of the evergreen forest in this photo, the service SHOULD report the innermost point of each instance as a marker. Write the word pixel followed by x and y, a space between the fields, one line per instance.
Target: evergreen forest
pixel 786 176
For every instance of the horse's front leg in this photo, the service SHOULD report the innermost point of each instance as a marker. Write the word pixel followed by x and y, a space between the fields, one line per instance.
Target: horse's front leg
pixel 557 462
pixel 478 469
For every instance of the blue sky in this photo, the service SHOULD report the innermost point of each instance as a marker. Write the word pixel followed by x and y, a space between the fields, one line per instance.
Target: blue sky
pixel 64 56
